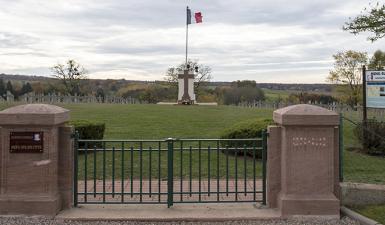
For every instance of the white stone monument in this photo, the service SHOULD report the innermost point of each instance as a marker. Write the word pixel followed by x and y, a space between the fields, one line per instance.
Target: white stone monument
pixel 186 93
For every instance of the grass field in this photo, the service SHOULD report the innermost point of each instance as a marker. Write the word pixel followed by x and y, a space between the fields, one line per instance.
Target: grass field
pixel 276 95
pixel 360 167
pixel 159 122
pixel 162 121
pixel 375 212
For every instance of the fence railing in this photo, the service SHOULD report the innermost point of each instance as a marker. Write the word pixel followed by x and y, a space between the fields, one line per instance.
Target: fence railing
pixel 170 171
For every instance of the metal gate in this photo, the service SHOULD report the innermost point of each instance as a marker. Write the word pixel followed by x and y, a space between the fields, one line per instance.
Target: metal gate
pixel 170 171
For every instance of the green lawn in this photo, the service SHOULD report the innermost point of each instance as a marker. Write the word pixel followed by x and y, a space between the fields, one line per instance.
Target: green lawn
pixel 275 95
pixel 162 121
pixel 359 167
pixel 374 212
pixel 137 168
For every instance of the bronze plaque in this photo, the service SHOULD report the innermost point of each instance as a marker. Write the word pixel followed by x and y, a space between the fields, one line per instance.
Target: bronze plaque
pixel 26 142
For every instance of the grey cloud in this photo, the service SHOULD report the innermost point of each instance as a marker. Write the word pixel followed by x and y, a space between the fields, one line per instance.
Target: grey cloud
pixel 129 35
pixel 171 13
pixel 38 54
pixel 121 49
pixel 10 40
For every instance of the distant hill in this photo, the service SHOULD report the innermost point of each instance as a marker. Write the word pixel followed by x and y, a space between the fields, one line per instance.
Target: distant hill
pixel 13 77
pixel 272 86
pixel 297 87
pixel 31 78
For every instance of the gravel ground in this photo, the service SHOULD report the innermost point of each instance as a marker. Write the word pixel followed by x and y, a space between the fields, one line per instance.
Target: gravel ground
pixel 47 221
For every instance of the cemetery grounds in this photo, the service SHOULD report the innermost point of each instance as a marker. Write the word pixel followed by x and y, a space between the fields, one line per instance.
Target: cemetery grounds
pixel 162 121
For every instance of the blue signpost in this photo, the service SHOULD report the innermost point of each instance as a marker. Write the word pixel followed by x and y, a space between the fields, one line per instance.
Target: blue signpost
pixel 375 89
pixel 373 92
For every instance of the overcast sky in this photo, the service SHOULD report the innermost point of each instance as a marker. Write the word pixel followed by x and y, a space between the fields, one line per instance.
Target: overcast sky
pixel 267 41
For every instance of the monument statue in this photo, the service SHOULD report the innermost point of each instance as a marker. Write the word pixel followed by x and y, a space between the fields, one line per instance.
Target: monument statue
pixel 186 95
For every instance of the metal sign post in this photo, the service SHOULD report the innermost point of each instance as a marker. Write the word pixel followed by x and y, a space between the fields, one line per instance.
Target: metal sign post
pixel 364 113
pixel 364 106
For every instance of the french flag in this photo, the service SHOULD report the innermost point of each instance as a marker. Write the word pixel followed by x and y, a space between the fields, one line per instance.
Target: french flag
pixel 198 17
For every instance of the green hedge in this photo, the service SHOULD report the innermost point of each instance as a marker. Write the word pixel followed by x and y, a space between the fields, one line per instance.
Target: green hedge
pixel 244 130
pixel 375 144
pixel 89 130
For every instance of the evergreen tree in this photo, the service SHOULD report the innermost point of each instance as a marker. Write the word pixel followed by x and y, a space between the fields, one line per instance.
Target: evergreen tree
pixel 3 91
pixel 10 87
pixel 26 88
pixel 377 62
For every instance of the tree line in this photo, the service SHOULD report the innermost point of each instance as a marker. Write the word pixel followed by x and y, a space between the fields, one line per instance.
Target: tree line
pixel 15 89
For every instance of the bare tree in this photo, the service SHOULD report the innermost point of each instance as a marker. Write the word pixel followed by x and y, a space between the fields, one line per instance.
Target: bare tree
pixel 203 75
pixel 70 74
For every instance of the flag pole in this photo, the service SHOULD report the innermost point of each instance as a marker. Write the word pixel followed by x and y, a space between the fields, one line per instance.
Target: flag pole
pixel 187 22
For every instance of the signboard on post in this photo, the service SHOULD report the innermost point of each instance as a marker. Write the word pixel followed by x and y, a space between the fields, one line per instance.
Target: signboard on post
pixel 375 89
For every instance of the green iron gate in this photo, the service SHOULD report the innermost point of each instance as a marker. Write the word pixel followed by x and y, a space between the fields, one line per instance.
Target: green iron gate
pixel 170 171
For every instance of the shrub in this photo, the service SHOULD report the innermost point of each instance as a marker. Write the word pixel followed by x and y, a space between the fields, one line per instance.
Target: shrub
pixel 244 130
pixel 375 142
pixel 89 130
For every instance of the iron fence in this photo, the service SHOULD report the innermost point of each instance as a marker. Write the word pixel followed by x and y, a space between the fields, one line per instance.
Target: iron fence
pixel 170 171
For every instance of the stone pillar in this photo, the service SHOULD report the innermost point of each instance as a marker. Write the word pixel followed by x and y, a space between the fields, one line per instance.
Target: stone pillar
pixel 302 176
pixel 36 160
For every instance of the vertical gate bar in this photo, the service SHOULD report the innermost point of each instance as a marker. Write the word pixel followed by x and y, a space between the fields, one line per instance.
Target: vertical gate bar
pixel 218 171
pixel 236 173
pixel 181 171
pixel 208 169
pixel 254 183
pixel 341 147
pixel 227 170
pixel 113 171
pixel 150 172
pixel 132 171
pixel 122 173
pixel 170 175
pixel 140 171
pixel 76 143
pixel 199 170
pixel 159 174
pixel 244 169
pixel 85 171
pixel 94 170
pixel 104 172
pixel 264 152
pixel 190 171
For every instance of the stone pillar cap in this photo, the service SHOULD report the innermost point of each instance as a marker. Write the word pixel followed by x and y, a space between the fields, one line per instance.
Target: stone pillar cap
pixel 304 114
pixel 34 114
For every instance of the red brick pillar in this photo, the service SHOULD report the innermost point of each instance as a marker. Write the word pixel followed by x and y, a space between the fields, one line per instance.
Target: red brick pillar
pixel 35 147
pixel 302 176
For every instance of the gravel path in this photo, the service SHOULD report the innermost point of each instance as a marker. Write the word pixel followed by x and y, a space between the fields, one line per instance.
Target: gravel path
pixel 47 221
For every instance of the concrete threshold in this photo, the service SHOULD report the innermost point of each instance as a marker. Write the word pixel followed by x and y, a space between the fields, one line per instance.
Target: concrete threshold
pixel 179 212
